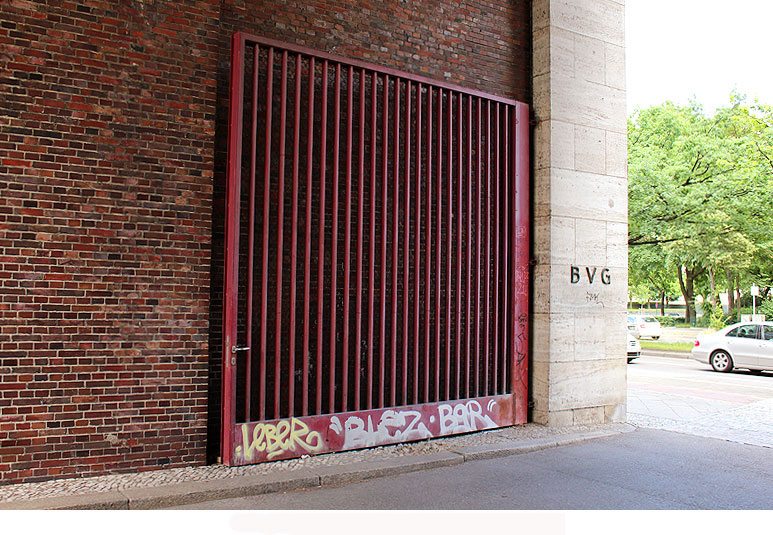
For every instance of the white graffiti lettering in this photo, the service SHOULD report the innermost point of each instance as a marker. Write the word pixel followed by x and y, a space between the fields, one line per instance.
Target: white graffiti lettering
pixel 275 440
pixel 393 426
pixel 463 417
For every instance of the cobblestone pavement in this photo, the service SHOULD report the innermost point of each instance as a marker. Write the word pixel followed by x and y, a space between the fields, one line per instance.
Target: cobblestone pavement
pixel 684 396
pixel 100 484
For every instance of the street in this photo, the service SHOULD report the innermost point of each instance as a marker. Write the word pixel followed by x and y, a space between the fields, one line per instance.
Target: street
pixel 704 442
pixel 686 396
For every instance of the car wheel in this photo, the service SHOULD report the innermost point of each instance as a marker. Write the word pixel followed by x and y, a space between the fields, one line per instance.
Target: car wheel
pixel 655 337
pixel 721 361
pixel 630 359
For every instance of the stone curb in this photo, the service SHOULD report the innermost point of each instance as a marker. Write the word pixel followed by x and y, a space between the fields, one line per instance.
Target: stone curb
pixel 111 500
pixel 666 353
pixel 201 491
pixel 163 496
pixel 492 451
pixel 338 475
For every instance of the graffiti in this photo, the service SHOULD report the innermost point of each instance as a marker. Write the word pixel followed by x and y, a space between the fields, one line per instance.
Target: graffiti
pixel 393 426
pixel 521 340
pixel 402 426
pixel 275 440
pixel 463 417
pixel 256 442
pixel 594 299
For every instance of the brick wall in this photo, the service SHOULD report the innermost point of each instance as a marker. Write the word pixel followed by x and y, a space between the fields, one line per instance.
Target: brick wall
pixel 106 157
pixel 113 118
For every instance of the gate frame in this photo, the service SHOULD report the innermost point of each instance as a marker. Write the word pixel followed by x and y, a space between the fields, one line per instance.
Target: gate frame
pixel 518 323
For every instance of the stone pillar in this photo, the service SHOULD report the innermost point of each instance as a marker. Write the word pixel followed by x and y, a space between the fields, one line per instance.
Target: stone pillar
pixel 580 212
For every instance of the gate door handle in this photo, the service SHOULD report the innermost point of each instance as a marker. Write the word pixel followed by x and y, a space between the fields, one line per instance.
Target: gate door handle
pixel 234 349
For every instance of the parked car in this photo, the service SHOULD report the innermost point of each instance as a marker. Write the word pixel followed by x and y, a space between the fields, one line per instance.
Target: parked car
pixel 634 347
pixel 746 345
pixel 646 326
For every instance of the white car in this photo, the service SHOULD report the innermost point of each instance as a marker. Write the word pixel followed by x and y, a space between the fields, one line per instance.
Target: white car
pixel 634 347
pixel 646 326
pixel 741 345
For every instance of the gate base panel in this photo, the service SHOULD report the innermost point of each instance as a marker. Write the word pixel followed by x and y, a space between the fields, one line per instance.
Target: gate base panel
pixel 256 442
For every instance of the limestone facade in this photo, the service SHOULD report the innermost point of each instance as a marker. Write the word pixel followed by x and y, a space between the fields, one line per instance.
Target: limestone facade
pixel 580 212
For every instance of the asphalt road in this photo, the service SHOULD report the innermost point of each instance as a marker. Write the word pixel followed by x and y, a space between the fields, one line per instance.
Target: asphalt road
pixel 701 444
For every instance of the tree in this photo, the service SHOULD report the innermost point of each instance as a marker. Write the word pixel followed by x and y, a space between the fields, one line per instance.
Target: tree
pixel 699 189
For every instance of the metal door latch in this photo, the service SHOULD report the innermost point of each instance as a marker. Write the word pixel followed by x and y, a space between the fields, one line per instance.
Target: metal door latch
pixel 234 349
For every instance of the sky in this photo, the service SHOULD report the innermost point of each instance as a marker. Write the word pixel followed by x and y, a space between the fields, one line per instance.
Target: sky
pixel 677 49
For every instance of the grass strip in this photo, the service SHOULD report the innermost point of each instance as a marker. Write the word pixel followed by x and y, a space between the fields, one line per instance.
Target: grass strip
pixel 667 346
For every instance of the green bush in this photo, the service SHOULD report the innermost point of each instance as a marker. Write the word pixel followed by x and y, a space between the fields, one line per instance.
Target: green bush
pixel 666 321
pixel 713 316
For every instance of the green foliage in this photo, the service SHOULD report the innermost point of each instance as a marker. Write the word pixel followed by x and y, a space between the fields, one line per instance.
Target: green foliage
pixel 765 307
pixel 666 321
pixel 699 201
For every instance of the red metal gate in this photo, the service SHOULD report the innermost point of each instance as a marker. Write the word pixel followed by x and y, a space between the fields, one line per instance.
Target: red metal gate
pixel 376 286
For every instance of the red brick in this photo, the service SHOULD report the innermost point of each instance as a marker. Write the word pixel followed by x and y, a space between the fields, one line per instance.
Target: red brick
pixel 120 131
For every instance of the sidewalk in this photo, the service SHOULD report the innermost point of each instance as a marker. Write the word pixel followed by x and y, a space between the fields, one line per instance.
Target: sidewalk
pixel 166 488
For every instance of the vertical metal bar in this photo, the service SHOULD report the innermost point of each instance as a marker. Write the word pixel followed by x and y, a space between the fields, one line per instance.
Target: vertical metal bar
pixel 334 245
pixel 231 279
pixel 347 241
pixel 497 190
pixel 280 238
pixel 266 210
pixel 520 364
pixel 487 261
pixel 294 240
pixel 428 246
pixel 372 242
pixel 468 246
pixel 439 227
pixel 384 180
pixel 417 252
pixel 477 251
pixel 251 235
pixel 321 256
pixel 307 239
pixel 449 249
pixel 406 237
pixel 395 239
pixel 506 350
pixel 459 119
pixel 360 209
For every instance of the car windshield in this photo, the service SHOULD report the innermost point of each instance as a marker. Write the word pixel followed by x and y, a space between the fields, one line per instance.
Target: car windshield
pixel 650 320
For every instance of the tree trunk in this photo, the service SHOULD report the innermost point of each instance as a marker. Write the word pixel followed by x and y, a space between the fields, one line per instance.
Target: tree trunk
pixel 687 286
pixel 713 295
pixel 738 295
pixel 663 303
pixel 688 311
pixel 730 293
